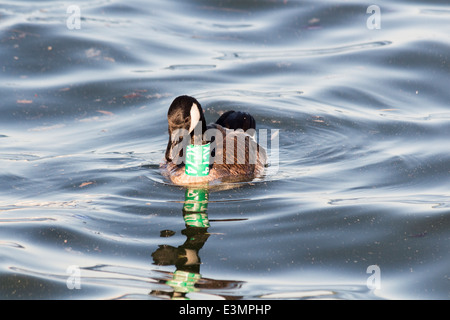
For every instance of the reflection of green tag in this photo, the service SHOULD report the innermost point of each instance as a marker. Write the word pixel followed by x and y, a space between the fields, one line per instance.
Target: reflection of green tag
pixel 195 206
pixel 196 220
pixel 195 200
pixel 197 160
pixel 184 281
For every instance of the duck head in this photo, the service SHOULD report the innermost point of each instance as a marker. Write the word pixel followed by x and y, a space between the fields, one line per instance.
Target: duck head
pixel 186 122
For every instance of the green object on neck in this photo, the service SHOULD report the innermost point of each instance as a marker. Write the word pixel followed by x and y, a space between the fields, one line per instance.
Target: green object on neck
pixel 197 160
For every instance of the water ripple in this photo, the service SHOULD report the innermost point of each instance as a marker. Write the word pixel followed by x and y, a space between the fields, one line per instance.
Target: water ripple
pixel 268 54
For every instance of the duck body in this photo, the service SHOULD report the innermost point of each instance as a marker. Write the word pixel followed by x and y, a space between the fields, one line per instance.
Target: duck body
pixel 234 153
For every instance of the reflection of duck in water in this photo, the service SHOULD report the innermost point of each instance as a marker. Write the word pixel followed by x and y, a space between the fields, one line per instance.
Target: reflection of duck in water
pixel 233 154
pixel 186 259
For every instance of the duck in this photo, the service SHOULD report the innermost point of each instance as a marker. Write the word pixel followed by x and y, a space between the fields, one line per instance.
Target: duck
pixel 234 155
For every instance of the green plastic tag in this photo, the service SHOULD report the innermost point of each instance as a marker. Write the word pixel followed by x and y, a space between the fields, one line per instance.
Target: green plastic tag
pixel 197 160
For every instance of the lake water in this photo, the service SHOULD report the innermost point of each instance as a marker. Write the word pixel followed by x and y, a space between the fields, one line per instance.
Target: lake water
pixel 356 204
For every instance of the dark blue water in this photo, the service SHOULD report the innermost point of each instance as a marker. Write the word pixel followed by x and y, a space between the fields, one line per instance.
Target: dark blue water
pixel 360 178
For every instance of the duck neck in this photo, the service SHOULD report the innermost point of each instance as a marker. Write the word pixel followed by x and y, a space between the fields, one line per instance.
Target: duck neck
pixel 177 144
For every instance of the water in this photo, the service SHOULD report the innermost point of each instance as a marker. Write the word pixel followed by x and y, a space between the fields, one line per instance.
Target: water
pixel 363 169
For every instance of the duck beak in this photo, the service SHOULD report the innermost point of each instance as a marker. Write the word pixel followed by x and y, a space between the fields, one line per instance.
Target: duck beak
pixel 195 117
